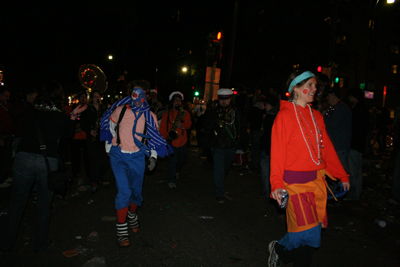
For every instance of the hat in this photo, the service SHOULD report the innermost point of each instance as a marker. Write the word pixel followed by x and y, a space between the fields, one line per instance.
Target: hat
pixel 153 91
pixel 335 92
pixel 177 93
pixel 224 93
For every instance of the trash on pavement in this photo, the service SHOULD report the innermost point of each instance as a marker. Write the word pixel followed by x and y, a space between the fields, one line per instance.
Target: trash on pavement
pixel 70 253
pixel 95 262
pixel 94 236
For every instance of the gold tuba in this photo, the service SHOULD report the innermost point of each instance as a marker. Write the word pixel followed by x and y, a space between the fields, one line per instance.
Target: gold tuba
pixel 92 78
pixel 173 133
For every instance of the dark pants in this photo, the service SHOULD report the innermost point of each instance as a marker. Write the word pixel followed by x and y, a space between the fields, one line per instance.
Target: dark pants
pixel 99 162
pixel 265 172
pixel 79 150
pixel 176 162
pixel 5 158
pixel 29 169
pixel 223 159
pixel 301 256
pixel 255 150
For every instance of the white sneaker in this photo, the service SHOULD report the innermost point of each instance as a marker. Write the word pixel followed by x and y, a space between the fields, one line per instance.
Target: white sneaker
pixel 172 185
pixel 4 185
pixel 273 260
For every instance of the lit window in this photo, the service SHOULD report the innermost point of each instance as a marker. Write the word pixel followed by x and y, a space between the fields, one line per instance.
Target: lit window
pixel 394 69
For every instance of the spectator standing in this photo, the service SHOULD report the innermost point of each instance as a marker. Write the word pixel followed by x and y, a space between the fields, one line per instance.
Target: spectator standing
pixel 338 125
pixel 30 168
pixel 17 111
pixel 359 130
pixel 301 155
pixel 78 148
pixel 271 103
pixel 178 121
pixel 90 124
pixel 255 120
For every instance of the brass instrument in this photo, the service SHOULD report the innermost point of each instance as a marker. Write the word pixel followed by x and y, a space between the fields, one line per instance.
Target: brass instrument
pixel 173 133
pixel 92 78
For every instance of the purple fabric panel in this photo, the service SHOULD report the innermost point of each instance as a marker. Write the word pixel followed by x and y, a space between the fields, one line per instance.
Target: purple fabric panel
pixel 294 177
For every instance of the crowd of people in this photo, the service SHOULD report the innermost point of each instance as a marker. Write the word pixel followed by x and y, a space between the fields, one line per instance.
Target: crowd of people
pixel 294 145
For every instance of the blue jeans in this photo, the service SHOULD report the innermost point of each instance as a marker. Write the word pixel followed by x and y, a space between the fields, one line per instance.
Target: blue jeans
pixel 29 169
pixel 355 167
pixel 223 159
pixel 176 161
pixel 396 177
pixel 265 171
pixel 128 170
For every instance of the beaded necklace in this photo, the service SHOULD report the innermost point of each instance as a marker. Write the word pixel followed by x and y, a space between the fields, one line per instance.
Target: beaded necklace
pixel 317 136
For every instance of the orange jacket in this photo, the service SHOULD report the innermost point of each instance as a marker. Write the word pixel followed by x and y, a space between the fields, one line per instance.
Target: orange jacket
pixel 166 125
pixel 289 150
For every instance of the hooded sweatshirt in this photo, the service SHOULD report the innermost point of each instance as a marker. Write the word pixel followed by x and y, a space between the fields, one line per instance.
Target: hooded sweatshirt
pixel 289 150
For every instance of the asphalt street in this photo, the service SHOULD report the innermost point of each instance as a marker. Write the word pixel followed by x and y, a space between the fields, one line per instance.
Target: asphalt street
pixel 173 233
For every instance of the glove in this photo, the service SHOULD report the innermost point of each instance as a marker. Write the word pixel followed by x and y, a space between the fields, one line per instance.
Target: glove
pixel 151 164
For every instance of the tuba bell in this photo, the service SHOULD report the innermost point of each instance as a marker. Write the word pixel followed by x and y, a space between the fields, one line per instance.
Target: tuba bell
pixel 92 78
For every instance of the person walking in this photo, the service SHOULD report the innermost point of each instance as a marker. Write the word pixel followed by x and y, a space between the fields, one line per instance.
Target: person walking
pixel 301 155
pixel 131 129
pixel 227 132
pixel 174 125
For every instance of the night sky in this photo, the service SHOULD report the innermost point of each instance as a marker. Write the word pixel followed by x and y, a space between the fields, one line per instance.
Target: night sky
pixel 52 40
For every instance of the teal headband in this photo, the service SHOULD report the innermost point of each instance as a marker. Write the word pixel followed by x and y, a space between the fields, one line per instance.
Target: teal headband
pixel 305 75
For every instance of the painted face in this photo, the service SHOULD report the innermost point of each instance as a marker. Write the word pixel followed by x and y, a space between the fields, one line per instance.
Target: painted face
pixel 138 96
pixel 307 91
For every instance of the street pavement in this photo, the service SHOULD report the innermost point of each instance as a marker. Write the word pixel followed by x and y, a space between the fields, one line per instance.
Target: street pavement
pixel 172 232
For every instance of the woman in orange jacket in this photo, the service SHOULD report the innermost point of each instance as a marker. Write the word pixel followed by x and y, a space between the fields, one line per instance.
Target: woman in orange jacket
pixel 301 155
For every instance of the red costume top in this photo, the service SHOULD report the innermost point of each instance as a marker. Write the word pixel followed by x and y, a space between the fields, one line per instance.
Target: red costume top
pixel 289 150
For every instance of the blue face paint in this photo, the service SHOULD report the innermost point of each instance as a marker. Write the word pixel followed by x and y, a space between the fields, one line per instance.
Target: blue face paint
pixel 138 96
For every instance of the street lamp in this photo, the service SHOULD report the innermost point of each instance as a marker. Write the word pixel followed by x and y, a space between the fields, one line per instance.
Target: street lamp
pixel 184 69
pixel 110 57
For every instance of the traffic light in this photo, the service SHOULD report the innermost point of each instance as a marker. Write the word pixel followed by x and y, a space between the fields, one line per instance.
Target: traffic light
pixel 215 43
pixel 319 69
pixel 287 94
pixel 336 79
pixel 196 93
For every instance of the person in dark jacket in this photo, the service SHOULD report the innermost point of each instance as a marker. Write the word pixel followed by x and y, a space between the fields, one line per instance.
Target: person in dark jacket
pixel 271 107
pixel 227 132
pixel 255 119
pixel 359 131
pixel 90 124
pixel 30 167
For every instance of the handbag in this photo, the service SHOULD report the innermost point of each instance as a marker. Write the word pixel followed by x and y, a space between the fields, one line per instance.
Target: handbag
pixel 335 188
pixel 58 180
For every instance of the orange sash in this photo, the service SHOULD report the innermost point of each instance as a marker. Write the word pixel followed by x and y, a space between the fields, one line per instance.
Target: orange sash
pixel 307 204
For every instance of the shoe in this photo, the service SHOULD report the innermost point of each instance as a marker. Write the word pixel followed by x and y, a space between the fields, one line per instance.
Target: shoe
pixel 273 260
pixel 4 185
pixel 172 185
pixel 220 200
pixel 122 235
pixel 133 221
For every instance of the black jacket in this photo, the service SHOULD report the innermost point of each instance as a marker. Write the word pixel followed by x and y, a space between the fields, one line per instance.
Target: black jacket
pixel 223 135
